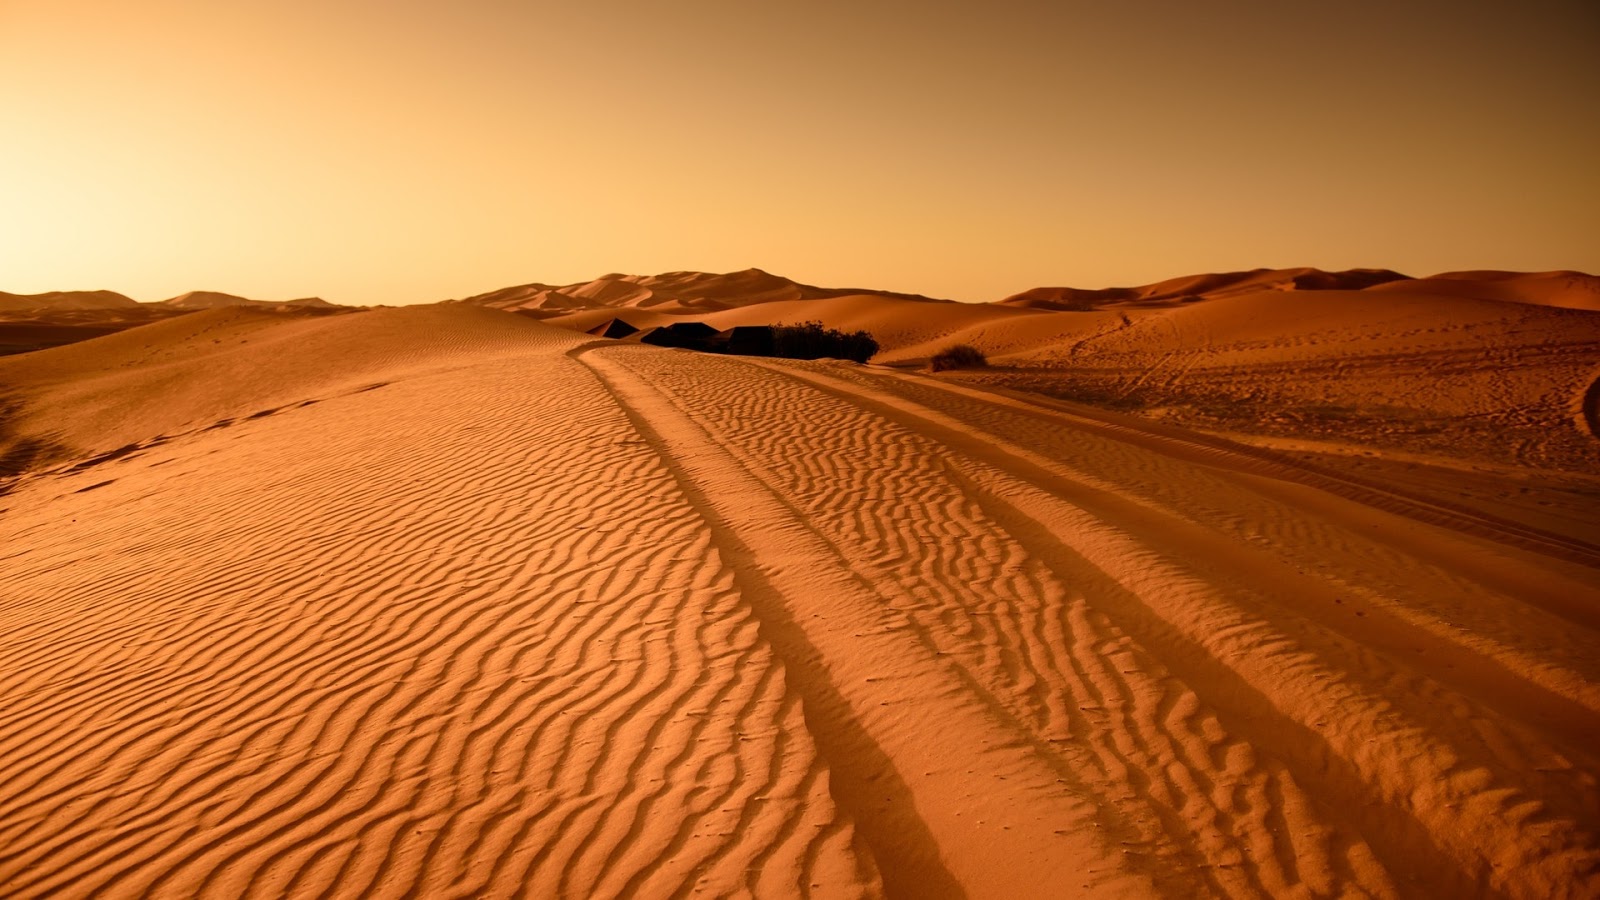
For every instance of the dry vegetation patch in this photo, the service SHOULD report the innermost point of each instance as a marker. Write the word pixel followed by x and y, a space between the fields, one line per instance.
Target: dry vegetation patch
pixel 958 356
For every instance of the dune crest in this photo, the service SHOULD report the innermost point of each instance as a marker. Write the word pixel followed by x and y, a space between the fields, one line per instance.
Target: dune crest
pixel 672 292
pixel 214 300
pixel 65 300
pixel 1568 290
pixel 1194 288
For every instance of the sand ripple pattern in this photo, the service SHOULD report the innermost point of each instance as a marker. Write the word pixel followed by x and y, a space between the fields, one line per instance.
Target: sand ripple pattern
pixel 454 636
pixel 561 618
pixel 1264 690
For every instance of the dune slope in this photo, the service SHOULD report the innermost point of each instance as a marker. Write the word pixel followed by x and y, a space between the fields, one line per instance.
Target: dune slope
pixel 455 634
pixel 1484 379
pixel 491 607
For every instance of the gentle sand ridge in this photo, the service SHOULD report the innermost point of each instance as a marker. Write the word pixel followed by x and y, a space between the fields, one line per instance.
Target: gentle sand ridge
pixel 445 601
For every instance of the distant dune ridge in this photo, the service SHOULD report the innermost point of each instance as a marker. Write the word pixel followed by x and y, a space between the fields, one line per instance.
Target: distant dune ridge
pixel 669 292
pixel 1198 287
pixel 213 300
pixel 706 292
pixel 1282 583
pixel 1491 364
pixel 40 321
pixel 64 300
pixel 1573 290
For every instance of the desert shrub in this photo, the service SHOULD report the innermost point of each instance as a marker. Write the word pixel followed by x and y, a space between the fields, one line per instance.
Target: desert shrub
pixel 809 340
pixel 958 356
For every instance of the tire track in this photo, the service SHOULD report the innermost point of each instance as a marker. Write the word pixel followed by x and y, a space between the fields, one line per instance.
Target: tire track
pixel 952 575
pixel 1529 750
pixel 1330 760
pixel 973 804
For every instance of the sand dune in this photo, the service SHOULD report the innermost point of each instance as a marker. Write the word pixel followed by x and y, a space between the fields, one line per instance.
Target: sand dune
pixel 65 300
pixel 671 292
pixel 216 300
pixel 1452 376
pixel 30 322
pixel 1497 368
pixel 1194 288
pixel 1571 290
pixel 26 330
pixel 909 330
pixel 444 601
pixel 213 367
pixel 456 633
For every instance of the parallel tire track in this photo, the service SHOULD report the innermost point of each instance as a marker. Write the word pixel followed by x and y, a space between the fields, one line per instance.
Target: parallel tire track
pixel 1130 636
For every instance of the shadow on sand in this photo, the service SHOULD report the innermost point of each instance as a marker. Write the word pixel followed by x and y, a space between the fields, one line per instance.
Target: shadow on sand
pixel 20 453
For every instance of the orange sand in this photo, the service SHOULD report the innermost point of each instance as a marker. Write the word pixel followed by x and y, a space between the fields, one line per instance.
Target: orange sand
pixel 446 601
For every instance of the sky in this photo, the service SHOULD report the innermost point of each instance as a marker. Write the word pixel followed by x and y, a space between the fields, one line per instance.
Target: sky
pixel 409 151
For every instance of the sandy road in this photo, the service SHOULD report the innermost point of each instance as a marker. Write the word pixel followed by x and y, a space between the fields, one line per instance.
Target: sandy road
pixel 1261 683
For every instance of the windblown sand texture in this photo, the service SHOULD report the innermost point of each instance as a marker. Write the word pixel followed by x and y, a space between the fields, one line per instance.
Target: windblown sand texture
pixel 450 602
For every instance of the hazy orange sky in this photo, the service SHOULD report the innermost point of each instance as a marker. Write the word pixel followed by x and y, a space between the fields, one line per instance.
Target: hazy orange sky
pixel 406 151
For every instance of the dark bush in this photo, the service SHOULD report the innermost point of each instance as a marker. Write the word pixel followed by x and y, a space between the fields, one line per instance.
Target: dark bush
pixel 809 340
pixel 958 356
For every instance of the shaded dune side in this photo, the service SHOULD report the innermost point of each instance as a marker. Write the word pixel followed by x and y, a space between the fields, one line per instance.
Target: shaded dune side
pixel 1263 688
pixel 454 636
pixel 1590 411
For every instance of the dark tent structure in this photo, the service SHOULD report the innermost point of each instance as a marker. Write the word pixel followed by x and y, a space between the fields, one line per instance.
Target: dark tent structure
pixel 613 328
pixel 688 335
pixel 752 340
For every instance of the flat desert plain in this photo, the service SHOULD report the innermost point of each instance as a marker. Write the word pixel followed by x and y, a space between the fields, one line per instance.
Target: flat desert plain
pixel 1275 585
